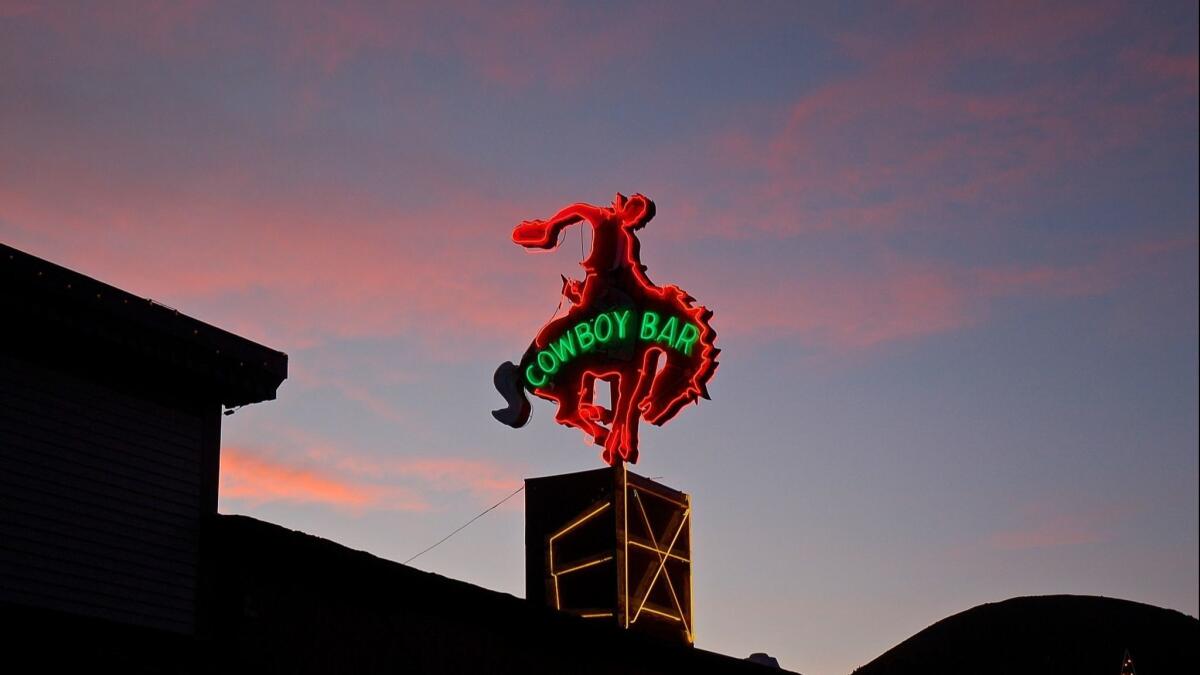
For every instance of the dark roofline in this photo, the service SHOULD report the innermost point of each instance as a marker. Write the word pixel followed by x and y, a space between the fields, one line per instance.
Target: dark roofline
pixel 57 308
pixel 296 581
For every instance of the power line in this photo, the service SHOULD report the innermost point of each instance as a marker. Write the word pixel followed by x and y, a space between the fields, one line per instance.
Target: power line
pixel 464 525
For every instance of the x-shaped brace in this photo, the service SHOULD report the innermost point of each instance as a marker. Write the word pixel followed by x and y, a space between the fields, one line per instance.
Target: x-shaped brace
pixel 662 563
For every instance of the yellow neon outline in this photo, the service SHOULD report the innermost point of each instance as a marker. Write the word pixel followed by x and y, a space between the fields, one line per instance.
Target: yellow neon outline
pixel 662 563
pixel 660 551
pixel 550 545
pixel 664 554
pixel 625 544
pixel 690 616
pixel 583 566
pixel 580 521
pixel 553 576
pixel 672 617
pixel 682 505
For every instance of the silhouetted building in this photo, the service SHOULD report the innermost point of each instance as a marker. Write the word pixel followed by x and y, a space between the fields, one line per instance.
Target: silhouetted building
pixel 110 425
pixel 113 557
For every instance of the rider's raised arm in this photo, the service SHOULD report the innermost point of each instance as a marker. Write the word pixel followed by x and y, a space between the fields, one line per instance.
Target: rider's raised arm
pixel 544 233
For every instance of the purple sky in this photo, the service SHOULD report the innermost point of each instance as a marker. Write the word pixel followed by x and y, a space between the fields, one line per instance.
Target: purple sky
pixel 951 249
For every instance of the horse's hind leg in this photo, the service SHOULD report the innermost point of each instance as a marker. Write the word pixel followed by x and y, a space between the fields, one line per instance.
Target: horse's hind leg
pixel 672 380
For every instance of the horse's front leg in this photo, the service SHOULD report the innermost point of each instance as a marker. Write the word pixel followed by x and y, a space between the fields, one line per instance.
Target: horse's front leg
pixel 622 443
pixel 588 408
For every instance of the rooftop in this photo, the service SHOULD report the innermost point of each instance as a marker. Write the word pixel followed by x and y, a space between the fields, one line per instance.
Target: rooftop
pixel 71 317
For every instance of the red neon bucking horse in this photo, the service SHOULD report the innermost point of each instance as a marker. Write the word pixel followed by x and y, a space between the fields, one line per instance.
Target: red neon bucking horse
pixel 652 345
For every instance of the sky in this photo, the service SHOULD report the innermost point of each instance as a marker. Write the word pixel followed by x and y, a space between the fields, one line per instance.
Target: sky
pixel 951 249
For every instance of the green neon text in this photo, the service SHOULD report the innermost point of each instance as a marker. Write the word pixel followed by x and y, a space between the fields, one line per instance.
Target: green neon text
pixel 602 331
pixel 532 379
pixel 649 325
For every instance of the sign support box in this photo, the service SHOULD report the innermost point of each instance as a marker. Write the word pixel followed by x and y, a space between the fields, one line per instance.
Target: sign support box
pixel 610 545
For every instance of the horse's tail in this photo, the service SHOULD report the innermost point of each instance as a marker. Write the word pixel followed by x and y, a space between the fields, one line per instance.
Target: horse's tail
pixel 508 382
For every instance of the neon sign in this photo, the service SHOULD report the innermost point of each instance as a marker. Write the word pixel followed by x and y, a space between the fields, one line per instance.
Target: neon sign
pixel 651 343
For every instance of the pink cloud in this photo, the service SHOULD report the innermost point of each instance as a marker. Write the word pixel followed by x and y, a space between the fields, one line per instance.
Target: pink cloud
pixel 312 471
pixel 557 45
pixel 360 394
pixel 299 290
pixel 897 300
pixel 152 25
pixel 514 46
pixel 281 271
pixel 885 148
pixel 1182 70
pixel 901 140
pixel 1056 531
pixel 15 9
pixel 847 312
pixel 254 478
pixel 482 478
pixel 1045 526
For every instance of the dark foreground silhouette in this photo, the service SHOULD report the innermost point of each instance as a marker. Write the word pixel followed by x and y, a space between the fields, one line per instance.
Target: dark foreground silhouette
pixel 1048 634
pixel 281 601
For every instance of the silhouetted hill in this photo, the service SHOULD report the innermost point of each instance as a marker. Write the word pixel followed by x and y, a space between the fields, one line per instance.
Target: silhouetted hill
pixel 1048 634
